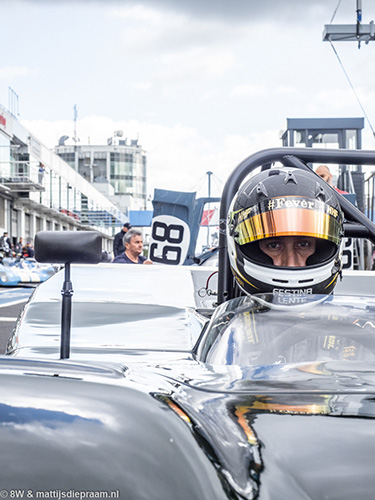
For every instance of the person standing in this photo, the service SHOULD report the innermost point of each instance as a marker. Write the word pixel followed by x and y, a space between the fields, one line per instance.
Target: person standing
pixel 118 244
pixel 324 172
pixel 133 242
pixel 5 244
pixel 41 171
pixel 19 247
pixel 29 251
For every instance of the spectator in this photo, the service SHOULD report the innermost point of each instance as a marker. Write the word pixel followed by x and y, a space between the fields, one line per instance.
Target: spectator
pixel 6 245
pixel 41 173
pixel 19 247
pixel 118 244
pixel 133 243
pixel 29 250
pixel 324 172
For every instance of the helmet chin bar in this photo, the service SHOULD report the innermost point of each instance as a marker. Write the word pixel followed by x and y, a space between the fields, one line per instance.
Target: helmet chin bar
pixel 291 278
pixel 357 225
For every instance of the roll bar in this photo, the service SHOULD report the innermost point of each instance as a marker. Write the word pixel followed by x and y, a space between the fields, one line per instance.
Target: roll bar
pixel 356 223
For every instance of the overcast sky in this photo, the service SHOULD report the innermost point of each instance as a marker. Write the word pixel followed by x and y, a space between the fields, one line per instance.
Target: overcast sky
pixel 202 83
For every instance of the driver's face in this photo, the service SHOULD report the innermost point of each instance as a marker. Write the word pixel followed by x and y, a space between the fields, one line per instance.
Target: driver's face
pixel 288 251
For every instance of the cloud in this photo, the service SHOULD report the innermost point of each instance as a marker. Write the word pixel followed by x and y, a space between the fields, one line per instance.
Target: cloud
pixel 242 11
pixel 213 94
pixel 194 64
pixel 248 90
pixel 11 72
pixel 285 90
pixel 140 85
pixel 178 156
pixel 135 13
pixel 235 10
pixel 146 29
pixel 167 48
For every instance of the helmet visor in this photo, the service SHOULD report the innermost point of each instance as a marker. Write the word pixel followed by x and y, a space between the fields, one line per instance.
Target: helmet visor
pixel 288 216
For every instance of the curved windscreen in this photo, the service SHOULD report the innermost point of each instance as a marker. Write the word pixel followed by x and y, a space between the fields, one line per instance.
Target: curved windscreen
pixel 269 329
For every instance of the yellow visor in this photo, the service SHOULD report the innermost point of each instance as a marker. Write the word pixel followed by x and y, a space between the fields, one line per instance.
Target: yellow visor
pixel 288 216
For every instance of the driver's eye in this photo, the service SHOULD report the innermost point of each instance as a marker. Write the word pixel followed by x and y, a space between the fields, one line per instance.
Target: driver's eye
pixel 304 244
pixel 272 245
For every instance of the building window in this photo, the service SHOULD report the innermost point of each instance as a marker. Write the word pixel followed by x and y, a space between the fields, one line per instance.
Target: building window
pixel 27 227
pixel 38 224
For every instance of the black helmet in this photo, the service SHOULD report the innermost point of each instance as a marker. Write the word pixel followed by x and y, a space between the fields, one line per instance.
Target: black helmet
pixel 285 202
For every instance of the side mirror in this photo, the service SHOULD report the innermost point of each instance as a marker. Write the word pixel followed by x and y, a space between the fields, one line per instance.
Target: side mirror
pixel 68 247
pixel 73 247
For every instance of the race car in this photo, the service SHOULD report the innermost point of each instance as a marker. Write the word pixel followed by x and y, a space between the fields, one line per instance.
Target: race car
pixel 8 276
pixel 160 383
pixel 23 271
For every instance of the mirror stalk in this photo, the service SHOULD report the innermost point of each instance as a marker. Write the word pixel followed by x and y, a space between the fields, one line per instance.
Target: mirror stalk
pixel 66 314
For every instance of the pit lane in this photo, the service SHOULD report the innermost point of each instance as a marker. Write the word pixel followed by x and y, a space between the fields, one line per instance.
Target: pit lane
pixel 11 302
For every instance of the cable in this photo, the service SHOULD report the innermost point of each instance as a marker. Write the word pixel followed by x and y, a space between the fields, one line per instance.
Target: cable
pixel 215 186
pixel 338 5
pixel 198 184
pixel 351 85
pixel 218 180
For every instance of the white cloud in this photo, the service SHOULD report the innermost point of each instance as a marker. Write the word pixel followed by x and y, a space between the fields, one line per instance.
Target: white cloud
pixel 171 31
pixel 11 72
pixel 333 99
pixel 248 90
pixel 195 64
pixel 136 13
pixel 140 85
pixel 211 95
pixel 285 90
pixel 177 157
pixel 238 11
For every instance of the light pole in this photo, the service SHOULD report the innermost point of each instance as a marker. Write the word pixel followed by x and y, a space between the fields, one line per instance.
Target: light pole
pixel 209 173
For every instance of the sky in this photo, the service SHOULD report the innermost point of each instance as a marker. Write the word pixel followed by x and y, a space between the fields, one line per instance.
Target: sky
pixel 202 84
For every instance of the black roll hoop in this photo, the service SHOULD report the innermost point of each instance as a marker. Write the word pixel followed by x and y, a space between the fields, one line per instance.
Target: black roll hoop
pixel 356 223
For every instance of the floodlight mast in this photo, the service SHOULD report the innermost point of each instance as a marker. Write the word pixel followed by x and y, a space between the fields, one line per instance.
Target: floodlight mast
pixel 350 32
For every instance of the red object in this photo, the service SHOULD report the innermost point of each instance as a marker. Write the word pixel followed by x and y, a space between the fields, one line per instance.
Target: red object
pixel 340 191
pixel 207 217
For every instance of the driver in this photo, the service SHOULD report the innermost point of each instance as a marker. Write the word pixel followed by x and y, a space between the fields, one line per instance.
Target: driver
pixel 284 233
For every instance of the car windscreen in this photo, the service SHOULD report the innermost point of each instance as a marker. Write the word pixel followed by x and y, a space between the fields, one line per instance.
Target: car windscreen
pixel 269 329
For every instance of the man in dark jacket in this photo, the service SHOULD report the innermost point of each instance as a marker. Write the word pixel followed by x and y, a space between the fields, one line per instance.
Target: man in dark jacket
pixel 133 242
pixel 118 245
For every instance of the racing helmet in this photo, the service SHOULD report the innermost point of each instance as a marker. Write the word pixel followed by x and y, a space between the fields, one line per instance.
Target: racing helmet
pixel 285 202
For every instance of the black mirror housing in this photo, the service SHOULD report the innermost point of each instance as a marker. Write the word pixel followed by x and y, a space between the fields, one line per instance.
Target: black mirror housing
pixel 74 247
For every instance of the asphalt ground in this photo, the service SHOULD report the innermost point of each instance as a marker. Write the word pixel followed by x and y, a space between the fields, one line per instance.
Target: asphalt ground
pixel 12 301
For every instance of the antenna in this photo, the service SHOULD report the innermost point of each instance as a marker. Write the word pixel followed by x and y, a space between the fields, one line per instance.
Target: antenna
pixel 13 99
pixel 75 124
pixel 209 173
